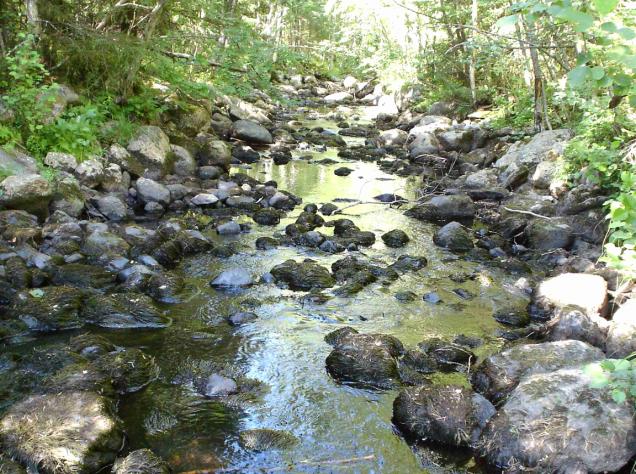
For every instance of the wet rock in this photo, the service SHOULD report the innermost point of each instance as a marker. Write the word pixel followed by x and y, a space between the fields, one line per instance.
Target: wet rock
pixel 449 415
pixel 447 355
pixel 122 311
pixel 251 132
pixel 38 433
pixel 204 199
pixel 577 325
pixel 405 296
pixel 229 228
pixel 235 277
pixel 80 275
pixel 365 360
pixel 91 346
pixel 151 151
pixel 280 158
pixel 499 374
pixel 17 273
pixel 454 237
pixel 245 154
pixel 302 276
pixel 242 317
pixel 395 238
pixel 50 309
pixel 217 385
pixel 581 290
pixel 408 263
pixel 99 244
pixel 621 338
pixel 141 461
pixel 266 440
pixel 7 466
pixel 444 209
pixel 130 370
pixel 29 192
pixel 432 298
pixel 68 196
pixel 152 191
pixel 512 316
pixel 112 208
pixel 343 171
pixel 210 172
pixel 267 243
pixel 534 430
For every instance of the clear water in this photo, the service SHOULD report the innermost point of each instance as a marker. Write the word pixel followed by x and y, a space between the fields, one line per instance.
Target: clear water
pixel 284 348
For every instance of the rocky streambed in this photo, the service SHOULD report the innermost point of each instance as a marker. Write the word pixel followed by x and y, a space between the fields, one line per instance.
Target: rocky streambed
pixel 333 287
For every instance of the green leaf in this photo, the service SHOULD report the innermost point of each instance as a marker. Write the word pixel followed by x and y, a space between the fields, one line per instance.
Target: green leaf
pixel 597 73
pixel 578 76
pixel 605 6
pixel 627 33
pixel 609 27
pixel 618 396
pixel 581 20
pixel 632 100
pixel 510 20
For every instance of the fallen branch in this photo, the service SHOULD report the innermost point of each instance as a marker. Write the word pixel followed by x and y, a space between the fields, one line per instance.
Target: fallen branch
pixel 399 201
pixel 530 213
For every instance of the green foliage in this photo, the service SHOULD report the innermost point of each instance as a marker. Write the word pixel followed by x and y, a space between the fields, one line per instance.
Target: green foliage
pixel 616 375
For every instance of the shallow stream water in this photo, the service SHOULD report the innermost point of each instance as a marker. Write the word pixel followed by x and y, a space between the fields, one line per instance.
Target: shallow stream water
pixel 284 348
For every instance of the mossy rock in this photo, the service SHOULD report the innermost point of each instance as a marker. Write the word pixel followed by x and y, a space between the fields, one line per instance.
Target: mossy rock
pixel 50 309
pixel 130 370
pixel 265 439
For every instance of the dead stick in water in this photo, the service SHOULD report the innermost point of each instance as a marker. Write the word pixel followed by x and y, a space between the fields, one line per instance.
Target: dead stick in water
pixel 306 462
pixel 530 213
pixel 399 201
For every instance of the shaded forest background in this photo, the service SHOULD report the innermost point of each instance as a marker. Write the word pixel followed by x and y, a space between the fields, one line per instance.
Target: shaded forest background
pixel 536 65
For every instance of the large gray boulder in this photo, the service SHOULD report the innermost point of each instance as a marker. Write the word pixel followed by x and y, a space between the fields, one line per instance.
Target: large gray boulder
pixel 152 191
pixel 421 141
pixel 16 163
pixel 28 192
pixel 454 237
pixel 444 209
pixel 549 235
pixel 543 146
pixel 214 152
pixel 303 276
pixel 62 432
pixel 151 149
pixel 447 414
pixel 251 132
pixel 242 110
pixel 500 373
pixel 556 422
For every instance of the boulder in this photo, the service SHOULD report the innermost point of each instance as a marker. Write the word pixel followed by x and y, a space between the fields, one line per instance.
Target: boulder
pixel 50 309
pixel 543 146
pixel 338 97
pixel 38 431
pixel 499 374
pixel 27 192
pixel 130 370
pixel 393 138
pixel 456 140
pixel 454 237
pixel 444 209
pixel 100 244
pixel 141 461
pixel 152 191
pixel 184 162
pixel 395 238
pixel 242 110
pixel 61 161
pixel 112 208
pixel 251 132
pixel 204 199
pixel 557 422
pixel 215 153
pixel 421 141
pixel 446 414
pixel 544 235
pixel 621 338
pixel 303 276
pixel 267 217
pixel 150 148
pixel 577 325
pixel 90 173
pixel 581 290
pixel 245 154
pixel 13 162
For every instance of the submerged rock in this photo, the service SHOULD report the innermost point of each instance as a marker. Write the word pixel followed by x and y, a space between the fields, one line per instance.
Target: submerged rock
pixel 447 414
pixel 395 238
pixel 130 370
pixel 556 422
pixel 51 309
pixel 123 311
pixel 499 374
pixel 302 276
pixel 235 277
pixel 217 385
pixel 141 461
pixel 38 431
pixel 265 440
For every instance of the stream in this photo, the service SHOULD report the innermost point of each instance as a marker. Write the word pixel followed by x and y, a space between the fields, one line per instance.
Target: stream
pixel 282 353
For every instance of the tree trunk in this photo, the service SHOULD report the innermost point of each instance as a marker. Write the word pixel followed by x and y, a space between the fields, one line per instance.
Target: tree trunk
pixel 541 119
pixel 33 17
pixel 472 66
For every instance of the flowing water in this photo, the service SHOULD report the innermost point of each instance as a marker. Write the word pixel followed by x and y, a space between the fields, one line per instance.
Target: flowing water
pixel 284 348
